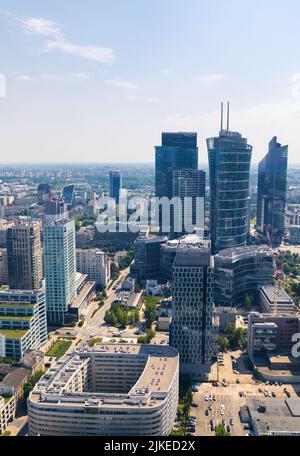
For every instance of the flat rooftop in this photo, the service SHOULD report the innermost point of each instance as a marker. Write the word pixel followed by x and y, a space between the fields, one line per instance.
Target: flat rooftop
pixel 273 293
pixel 281 417
pixel 161 365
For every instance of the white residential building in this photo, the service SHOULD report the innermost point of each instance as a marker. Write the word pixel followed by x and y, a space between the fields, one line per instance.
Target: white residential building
pixel 95 264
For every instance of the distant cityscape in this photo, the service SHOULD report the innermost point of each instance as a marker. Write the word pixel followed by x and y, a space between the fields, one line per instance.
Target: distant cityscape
pixel 152 331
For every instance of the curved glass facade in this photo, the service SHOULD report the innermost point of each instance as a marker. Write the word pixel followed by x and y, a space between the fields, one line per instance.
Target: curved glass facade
pixel 241 270
pixel 229 158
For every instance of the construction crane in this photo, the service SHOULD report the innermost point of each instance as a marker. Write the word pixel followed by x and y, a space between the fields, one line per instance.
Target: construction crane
pixel 278 272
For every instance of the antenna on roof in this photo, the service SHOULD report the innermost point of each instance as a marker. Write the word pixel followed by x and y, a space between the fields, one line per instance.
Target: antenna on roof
pixel 227 115
pixel 222 116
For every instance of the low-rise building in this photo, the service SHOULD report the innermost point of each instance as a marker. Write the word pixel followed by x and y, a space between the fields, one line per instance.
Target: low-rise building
pixel 163 323
pixel 23 321
pixel 85 291
pixel 275 300
pixel 7 412
pixel 270 334
pixel 274 417
pixel 85 394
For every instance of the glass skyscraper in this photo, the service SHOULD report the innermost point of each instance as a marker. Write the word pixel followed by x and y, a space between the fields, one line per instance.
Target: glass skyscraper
pixel 115 185
pixel 189 187
pixel 229 157
pixel 192 330
pixel 60 268
pixel 271 192
pixel 178 151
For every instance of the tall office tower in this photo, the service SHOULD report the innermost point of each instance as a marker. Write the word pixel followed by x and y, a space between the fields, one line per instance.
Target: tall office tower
pixel 3 267
pixel 55 209
pixel 189 186
pixel 192 330
pixel 229 158
pixel 178 151
pixel 147 257
pixel 68 195
pixel 271 192
pixel 24 255
pixel 115 185
pixel 60 268
pixel 43 192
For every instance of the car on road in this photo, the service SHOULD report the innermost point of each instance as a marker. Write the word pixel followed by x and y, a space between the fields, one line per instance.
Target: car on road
pixel 116 334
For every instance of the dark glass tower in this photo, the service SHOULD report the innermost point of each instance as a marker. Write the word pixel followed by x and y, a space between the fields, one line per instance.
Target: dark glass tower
pixel 178 151
pixel 189 186
pixel 271 192
pixel 68 195
pixel 229 158
pixel 115 185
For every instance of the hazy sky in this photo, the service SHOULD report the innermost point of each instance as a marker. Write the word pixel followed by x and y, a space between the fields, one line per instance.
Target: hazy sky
pixel 98 80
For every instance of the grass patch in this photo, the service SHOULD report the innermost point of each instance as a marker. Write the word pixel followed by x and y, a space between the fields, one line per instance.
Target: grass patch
pixel 94 341
pixel 14 333
pixel 59 348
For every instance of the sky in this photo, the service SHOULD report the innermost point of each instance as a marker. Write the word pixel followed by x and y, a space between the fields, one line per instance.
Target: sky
pixel 99 80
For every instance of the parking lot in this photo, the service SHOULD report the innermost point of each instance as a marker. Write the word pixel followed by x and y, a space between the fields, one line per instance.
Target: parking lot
pixel 233 397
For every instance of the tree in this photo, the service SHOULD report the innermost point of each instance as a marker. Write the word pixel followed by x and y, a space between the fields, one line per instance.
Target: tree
pixel 114 270
pixel 150 313
pixel 248 302
pixel 150 334
pixel 220 431
pixel 223 343
pixel 32 380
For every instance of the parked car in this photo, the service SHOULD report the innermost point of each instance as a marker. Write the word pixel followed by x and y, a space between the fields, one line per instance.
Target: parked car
pixel 194 404
pixel 206 412
pixel 273 394
pixel 228 428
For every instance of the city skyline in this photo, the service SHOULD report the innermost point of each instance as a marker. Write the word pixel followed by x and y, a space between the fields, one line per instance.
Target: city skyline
pixel 117 93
